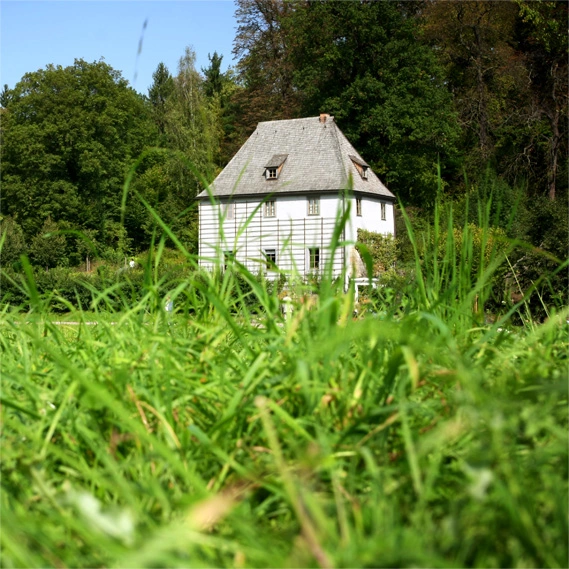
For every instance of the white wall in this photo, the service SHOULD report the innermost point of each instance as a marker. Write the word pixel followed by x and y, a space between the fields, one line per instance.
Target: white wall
pixel 370 220
pixel 291 232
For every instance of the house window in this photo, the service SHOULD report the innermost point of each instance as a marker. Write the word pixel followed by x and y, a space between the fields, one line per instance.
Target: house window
pixel 313 206
pixel 271 258
pixel 359 207
pixel 270 210
pixel 229 257
pixel 274 166
pixel 360 165
pixel 383 217
pixel 229 211
pixel 313 259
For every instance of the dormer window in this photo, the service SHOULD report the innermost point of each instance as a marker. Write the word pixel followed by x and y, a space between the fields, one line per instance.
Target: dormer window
pixel 360 165
pixel 274 167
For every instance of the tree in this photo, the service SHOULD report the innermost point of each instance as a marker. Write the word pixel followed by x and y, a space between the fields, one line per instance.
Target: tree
pixel 214 79
pixel 222 92
pixel 264 69
pixel 86 246
pixel 506 64
pixel 48 247
pixel 69 136
pixel 170 178
pixel 472 39
pixel 4 96
pixel 159 93
pixel 544 42
pixel 193 129
pixel 14 243
pixel 367 67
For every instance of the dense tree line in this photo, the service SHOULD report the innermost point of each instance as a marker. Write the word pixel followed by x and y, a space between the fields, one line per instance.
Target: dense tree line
pixel 460 100
pixel 70 139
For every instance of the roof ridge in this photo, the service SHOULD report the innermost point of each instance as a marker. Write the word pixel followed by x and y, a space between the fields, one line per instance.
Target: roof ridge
pixel 292 120
pixel 340 153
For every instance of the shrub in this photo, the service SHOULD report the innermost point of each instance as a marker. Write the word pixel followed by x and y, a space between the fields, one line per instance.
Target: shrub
pixel 381 248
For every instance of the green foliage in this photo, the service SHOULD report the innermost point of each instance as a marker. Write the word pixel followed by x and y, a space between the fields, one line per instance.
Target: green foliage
pixel 48 247
pixel 385 89
pixel 13 242
pixel 158 95
pixel 214 78
pixel 169 177
pixel 222 435
pixel 69 136
pixel 381 248
pixel 534 264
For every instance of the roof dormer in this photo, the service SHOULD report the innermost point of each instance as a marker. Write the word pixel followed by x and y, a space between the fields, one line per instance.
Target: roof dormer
pixel 360 165
pixel 274 166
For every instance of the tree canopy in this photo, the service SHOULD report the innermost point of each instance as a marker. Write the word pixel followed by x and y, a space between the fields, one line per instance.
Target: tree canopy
pixel 437 96
pixel 69 136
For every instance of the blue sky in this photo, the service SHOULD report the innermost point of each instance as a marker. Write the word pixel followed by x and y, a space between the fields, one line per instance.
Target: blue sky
pixel 36 33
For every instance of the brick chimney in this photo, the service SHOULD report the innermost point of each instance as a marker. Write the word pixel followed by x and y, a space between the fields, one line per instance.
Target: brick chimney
pixel 324 117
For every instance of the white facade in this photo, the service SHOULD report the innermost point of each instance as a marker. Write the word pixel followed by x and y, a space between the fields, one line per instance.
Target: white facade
pixel 275 206
pixel 288 233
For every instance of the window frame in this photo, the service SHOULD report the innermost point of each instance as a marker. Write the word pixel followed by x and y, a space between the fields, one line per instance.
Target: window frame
pixel 270 208
pixel 313 206
pixel 229 210
pixel 383 207
pixel 270 256
pixel 271 173
pixel 314 258
pixel 359 207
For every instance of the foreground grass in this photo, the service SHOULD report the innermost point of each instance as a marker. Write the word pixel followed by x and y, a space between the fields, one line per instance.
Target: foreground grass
pixel 215 438
pixel 223 436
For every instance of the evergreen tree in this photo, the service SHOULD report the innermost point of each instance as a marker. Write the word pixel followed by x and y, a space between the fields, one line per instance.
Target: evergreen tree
pixel 158 95
pixel 221 90
pixel 214 80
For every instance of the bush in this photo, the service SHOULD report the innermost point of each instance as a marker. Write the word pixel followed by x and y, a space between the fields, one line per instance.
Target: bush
pixel 14 243
pixel 381 248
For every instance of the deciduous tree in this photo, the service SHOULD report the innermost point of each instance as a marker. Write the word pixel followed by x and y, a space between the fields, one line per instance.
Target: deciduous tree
pixel 363 63
pixel 69 135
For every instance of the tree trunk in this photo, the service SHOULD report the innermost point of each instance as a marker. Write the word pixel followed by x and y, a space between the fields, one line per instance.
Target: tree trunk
pixel 554 155
pixel 555 142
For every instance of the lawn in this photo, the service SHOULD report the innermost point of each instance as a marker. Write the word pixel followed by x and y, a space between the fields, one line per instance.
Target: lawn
pixel 225 438
pixel 223 435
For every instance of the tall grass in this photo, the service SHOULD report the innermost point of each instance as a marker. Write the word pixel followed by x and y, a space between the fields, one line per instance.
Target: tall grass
pixel 223 435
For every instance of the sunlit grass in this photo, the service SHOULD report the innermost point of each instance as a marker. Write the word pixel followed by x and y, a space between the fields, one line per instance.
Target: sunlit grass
pixel 224 435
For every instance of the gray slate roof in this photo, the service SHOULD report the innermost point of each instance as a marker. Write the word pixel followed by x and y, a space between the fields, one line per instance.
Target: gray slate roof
pixel 317 160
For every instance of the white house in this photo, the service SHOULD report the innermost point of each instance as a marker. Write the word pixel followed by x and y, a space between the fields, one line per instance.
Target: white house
pixel 277 202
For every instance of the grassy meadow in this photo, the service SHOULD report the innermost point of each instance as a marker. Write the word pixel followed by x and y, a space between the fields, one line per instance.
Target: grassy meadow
pixel 222 435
